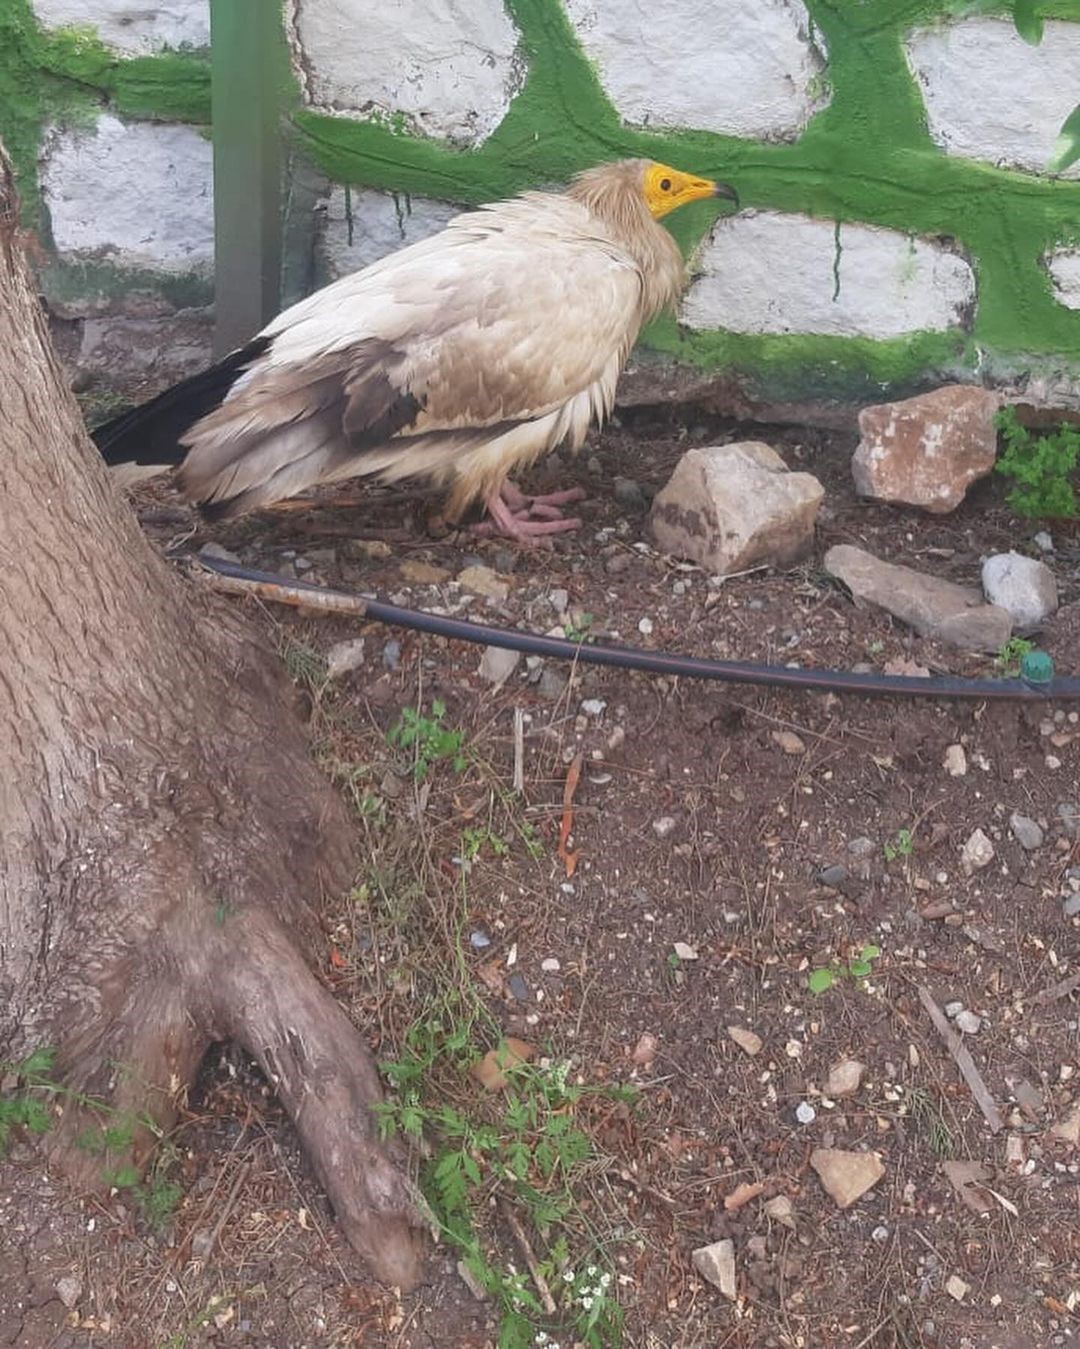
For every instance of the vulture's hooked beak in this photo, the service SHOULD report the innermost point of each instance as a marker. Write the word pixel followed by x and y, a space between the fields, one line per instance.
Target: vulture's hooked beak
pixel 726 190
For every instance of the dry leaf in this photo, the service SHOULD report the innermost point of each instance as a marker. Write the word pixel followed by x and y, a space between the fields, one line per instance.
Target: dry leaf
pixel 492 977
pixel 645 1050
pixel 749 1042
pixel 966 1178
pixel 742 1194
pixel 573 777
pixel 489 1072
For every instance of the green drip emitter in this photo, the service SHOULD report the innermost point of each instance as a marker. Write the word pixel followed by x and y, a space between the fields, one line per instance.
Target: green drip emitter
pixel 1036 667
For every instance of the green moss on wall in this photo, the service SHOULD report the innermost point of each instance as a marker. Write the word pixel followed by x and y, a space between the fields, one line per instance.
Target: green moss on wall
pixel 867 157
pixel 66 75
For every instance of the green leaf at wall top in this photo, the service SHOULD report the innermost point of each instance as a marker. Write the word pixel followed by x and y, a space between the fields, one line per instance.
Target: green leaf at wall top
pixel 1028 24
pixel 1067 146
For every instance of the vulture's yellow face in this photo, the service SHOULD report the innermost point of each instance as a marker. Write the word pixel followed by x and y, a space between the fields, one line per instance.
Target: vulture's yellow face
pixel 666 189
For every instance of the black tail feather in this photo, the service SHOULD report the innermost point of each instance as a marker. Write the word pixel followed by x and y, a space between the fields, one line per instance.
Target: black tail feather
pixel 150 434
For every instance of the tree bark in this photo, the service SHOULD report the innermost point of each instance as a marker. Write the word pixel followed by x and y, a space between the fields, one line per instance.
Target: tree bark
pixel 164 837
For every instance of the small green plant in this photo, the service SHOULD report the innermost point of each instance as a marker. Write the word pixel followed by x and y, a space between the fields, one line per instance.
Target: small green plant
pixel 1040 466
pixel 928 1119
pixel 578 631
pixel 476 838
pixel 902 845
pixel 429 739
pixel 524 1145
pixel 305 665
pixel 823 978
pixel 21 1107
pixel 1009 658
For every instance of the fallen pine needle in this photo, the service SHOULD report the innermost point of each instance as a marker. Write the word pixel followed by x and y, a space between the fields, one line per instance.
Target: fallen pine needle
pixel 573 777
pixel 964 1062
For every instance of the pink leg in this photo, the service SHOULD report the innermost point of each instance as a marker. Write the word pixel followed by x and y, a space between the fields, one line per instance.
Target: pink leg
pixel 516 516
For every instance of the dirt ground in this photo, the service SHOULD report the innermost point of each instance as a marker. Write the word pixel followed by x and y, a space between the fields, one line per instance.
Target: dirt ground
pixel 726 843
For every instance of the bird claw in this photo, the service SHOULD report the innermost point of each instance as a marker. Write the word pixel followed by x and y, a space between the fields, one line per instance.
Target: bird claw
pixel 527 519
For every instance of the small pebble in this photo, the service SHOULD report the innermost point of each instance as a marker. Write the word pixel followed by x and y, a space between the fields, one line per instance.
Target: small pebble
pixel 1026 832
pixel 663 826
pixel 479 940
pixel 593 707
pixel 1072 906
pixel 518 986
pixel 968 1022
pixel 550 965
pixel 645 627
pixel 805 1113
pixel 953 1009
pixel 955 761
pixel 833 876
pixel 391 654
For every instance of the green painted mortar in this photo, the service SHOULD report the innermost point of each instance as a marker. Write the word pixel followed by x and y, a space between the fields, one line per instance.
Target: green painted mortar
pixel 867 158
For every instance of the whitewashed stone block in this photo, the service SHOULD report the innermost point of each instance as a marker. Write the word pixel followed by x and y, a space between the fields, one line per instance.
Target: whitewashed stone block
pixel 450 68
pixel 131 26
pixel 1064 268
pixel 716 65
pixel 136 194
pixel 769 272
pixel 381 223
pixel 990 95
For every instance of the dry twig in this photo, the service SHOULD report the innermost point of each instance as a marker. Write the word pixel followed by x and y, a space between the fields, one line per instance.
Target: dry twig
pixel 964 1062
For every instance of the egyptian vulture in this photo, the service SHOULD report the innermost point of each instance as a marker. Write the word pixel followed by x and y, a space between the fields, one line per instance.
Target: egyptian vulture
pixel 458 360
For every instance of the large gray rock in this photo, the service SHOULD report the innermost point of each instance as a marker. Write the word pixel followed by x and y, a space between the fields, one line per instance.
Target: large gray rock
pixel 927 451
pixel 932 606
pixel 1023 586
pixel 729 507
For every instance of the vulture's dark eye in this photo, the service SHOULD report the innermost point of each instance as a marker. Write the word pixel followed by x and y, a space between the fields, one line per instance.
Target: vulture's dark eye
pixel 665 184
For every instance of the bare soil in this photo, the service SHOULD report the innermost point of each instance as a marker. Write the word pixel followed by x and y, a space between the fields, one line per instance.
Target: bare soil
pixel 704 815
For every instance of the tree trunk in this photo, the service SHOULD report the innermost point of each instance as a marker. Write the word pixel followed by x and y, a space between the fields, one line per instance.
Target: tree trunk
pixel 164 837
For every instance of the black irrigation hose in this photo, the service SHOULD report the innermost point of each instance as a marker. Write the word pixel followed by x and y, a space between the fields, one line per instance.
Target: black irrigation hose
pixel 660 662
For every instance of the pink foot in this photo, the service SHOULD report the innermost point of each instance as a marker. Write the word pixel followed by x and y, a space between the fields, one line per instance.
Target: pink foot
pixel 516 516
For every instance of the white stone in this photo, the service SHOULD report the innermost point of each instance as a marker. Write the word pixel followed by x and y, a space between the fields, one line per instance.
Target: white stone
pixel 977 852
pixel 990 95
pixel 1064 268
pixel 771 272
pixel 449 68
pixel 132 26
pixel 344 657
pixel 1022 585
pixel 715 65
pixel 137 194
pixel 497 664
pixel 717 1264
pixel 360 226
pixel 955 761
pixel 969 1022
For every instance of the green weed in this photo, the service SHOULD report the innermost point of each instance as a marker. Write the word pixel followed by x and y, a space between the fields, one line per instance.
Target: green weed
pixel 823 978
pixel 21 1107
pixel 1012 653
pixel 525 1146
pixel 902 845
pixel 1040 466
pixel 429 739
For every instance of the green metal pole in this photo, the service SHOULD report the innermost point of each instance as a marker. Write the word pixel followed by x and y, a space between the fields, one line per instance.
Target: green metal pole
pixel 247 58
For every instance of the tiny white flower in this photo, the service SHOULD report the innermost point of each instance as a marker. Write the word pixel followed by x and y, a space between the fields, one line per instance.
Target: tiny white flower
pixel 586 1302
pixel 591 1271
pixel 605 1280
pixel 568 1276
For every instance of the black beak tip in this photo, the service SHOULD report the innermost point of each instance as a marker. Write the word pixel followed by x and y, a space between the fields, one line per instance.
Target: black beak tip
pixel 726 190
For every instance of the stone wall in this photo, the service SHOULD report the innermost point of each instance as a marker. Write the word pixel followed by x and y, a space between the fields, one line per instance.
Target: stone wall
pixel 899 226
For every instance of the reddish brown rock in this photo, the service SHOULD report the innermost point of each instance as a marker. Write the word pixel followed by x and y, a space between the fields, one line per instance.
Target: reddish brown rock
pixel 927 451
